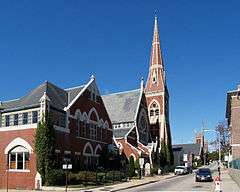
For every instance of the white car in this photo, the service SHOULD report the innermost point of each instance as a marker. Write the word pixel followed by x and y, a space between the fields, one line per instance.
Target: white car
pixel 180 170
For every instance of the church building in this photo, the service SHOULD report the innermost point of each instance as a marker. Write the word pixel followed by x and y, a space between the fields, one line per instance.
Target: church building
pixel 81 125
pixel 157 95
pixel 140 117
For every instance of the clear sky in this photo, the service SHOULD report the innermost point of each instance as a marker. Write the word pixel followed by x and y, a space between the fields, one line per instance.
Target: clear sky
pixel 67 41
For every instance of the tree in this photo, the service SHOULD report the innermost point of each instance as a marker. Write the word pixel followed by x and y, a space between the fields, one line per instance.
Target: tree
pixel 131 168
pixel 163 160
pixel 44 147
pixel 223 129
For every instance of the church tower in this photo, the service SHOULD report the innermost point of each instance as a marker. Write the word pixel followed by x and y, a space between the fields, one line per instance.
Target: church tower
pixel 157 94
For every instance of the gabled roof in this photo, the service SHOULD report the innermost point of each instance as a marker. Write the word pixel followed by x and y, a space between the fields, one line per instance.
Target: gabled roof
pixel 122 106
pixel 188 148
pixel 73 92
pixel 120 132
pixel 59 98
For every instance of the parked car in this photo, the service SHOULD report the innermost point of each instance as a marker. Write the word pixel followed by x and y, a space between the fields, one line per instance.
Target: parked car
pixel 203 174
pixel 180 170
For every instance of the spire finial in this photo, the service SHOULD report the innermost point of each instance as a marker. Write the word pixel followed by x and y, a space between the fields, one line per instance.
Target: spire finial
pixel 155 13
pixel 92 76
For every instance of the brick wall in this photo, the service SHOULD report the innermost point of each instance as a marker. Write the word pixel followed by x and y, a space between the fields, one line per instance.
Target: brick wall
pixel 235 128
pixel 17 179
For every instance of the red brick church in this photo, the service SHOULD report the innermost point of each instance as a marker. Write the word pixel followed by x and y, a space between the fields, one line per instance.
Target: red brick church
pixel 140 117
pixel 136 121
pixel 81 122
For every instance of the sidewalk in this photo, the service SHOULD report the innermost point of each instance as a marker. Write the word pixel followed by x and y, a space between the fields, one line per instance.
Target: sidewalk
pixel 227 183
pixel 133 183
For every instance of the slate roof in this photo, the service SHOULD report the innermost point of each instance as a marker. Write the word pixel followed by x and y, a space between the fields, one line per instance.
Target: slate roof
pixel 122 106
pixel 120 132
pixel 59 98
pixel 73 92
pixel 188 148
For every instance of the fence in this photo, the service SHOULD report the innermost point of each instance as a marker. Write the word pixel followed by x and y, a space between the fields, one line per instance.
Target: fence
pixel 235 164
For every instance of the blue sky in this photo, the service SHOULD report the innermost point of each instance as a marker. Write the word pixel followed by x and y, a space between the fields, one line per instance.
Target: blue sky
pixel 67 41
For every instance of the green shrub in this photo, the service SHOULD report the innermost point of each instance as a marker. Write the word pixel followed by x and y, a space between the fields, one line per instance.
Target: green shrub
pixel 131 168
pixel 55 177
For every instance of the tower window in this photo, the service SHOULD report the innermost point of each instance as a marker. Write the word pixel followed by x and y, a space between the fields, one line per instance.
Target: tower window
pixel 155 76
pixel 154 110
pixel 151 112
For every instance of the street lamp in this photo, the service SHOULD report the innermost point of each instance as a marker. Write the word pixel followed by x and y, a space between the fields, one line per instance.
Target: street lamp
pixel 219 143
pixel 67 167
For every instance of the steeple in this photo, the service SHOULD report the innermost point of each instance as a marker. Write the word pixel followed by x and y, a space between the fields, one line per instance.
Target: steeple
pixel 157 94
pixel 156 76
pixel 156 54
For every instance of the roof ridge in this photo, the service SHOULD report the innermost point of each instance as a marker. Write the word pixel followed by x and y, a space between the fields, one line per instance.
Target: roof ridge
pixel 70 88
pixel 50 83
pixel 11 100
pixel 121 92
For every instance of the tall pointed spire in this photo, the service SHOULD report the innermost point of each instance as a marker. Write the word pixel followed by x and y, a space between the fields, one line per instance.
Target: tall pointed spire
pixel 157 93
pixel 156 76
pixel 156 54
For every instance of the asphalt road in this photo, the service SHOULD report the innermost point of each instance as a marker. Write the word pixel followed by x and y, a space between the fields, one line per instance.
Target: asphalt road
pixel 178 183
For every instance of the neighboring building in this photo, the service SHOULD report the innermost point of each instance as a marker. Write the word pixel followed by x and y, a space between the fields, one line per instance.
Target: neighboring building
pixel 82 128
pixel 157 94
pixel 186 153
pixel 128 114
pixel 233 119
pixel 200 139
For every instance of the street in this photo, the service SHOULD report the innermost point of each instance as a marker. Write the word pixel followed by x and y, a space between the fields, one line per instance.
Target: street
pixel 178 183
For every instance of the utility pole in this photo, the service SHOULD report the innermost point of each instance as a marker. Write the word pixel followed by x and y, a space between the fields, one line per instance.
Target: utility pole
pixel 204 155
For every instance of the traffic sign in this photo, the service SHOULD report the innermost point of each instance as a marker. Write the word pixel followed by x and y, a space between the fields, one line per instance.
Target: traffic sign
pixel 67 166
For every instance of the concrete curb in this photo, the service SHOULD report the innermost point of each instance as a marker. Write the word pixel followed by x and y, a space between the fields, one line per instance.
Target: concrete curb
pixel 142 184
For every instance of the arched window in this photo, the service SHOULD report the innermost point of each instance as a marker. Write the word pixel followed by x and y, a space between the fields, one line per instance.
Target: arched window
pixel 98 151
pixel 88 155
pixel 155 76
pixel 154 109
pixel 84 130
pixel 94 118
pixel 18 158
pixel 78 121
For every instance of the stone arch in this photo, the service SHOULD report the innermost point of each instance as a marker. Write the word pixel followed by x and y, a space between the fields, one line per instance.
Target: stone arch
pixel 85 117
pixel 86 149
pixel 132 155
pixel 18 142
pixel 154 101
pixel 97 150
pixel 154 108
pixel 93 111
